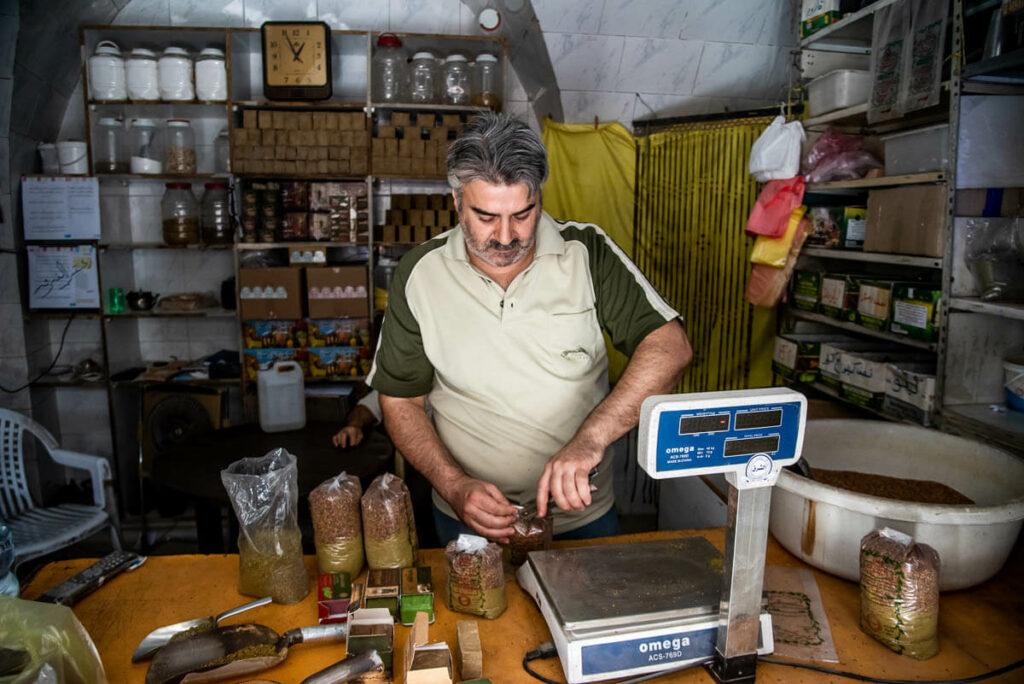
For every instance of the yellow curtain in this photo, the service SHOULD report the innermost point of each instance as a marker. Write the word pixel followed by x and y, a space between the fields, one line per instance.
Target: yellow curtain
pixel 593 169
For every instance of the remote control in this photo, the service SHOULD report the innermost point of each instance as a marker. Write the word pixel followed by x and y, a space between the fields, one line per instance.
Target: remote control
pixel 92 578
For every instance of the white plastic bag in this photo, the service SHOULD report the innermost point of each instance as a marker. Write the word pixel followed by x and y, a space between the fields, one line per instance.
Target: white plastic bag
pixel 776 154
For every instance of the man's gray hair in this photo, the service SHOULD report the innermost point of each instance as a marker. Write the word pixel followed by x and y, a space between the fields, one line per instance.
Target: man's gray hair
pixel 497 149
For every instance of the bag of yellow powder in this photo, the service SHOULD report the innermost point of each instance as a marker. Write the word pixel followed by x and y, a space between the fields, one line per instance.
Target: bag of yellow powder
pixel 773 251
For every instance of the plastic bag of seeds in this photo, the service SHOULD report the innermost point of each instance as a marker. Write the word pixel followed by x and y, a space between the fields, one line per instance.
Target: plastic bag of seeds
pixel 476 579
pixel 899 593
pixel 264 493
pixel 337 524
pixel 530 532
pixel 389 532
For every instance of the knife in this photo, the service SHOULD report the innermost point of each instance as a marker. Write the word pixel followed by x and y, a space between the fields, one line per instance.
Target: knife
pixel 160 636
pixel 530 508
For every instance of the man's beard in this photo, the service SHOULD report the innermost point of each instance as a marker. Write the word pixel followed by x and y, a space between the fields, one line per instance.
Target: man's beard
pixel 496 254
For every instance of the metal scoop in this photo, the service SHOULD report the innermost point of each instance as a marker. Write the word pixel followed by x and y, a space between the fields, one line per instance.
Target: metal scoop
pixel 160 636
pixel 229 652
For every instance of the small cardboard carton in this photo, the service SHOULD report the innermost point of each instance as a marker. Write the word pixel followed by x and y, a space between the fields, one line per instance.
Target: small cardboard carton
pixel 426 663
pixel 830 360
pixel 909 394
pixel 373 629
pixel 337 292
pixel 383 586
pixel 334 598
pixel 471 663
pixel 915 311
pixel 797 356
pixel 806 290
pixel 417 594
pixel 270 293
pixel 839 294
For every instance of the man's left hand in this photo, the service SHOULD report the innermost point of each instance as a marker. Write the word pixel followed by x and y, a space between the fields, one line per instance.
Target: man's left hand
pixel 567 477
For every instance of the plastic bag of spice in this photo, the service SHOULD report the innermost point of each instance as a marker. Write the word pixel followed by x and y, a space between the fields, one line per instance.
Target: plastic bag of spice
pixel 899 593
pixel 530 532
pixel 476 579
pixel 264 493
pixel 337 524
pixel 389 532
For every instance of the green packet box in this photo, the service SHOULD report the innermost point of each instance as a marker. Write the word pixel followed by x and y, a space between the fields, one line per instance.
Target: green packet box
pixel 806 290
pixel 838 299
pixel 915 311
pixel 874 303
pixel 417 595
pixel 796 355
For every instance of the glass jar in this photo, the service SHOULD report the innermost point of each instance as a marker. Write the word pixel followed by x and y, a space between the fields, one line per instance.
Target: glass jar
pixel 423 78
pixel 180 215
pixel 175 75
pixel 142 75
pixel 456 80
pixel 147 150
pixel 211 76
pixel 180 157
pixel 106 73
pixel 108 147
pixel 487 82
pixel 389 69
pixel 222 152
pixel 216 216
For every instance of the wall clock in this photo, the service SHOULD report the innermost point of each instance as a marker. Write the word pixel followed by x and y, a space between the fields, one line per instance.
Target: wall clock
pixel 296 60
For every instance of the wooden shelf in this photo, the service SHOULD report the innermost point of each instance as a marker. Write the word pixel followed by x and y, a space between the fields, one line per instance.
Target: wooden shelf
pixel 55 382
pixel 246 246
pixel 201 313
pixel 872 257
pixel 63 314
pixel 833 394
pixel 223 382
pixel 859 329
pixel 851 34
pixel 1014 310
pixel 851 116
pixel 114 246
pixel 158 103
pixel 988 422
pixel 195 178
pixel 428 107
pixel 323 105
pixel 880 182
pixel 1008 68
pixel 301 177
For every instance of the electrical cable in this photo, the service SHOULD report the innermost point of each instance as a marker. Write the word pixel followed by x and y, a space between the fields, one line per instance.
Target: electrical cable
pixel 49 368
pixel 545 650
pixel 880 680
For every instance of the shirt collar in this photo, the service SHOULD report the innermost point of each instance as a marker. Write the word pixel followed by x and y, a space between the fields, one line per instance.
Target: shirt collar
pixel 549 240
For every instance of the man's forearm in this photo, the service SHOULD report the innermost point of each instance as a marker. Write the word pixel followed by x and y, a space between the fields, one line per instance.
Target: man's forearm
pixel 654 368
pixel 414 436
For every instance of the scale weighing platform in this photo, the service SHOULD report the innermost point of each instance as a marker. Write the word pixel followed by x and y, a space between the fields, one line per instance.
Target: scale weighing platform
pixel 632 609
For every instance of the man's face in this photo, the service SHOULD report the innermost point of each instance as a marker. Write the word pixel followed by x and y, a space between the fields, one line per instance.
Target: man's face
pixel 500 221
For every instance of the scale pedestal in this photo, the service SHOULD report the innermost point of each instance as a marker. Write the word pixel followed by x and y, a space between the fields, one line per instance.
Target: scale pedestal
pixel 631 609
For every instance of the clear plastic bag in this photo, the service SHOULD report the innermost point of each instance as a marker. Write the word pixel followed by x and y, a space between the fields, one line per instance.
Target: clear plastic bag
pixel 530 532
pixel 835 156
pixel 776 153
pixel 899 593
pixel 476 577
pixel 995 256
pixel 46 644
pixel 337 524
pixel 264 493
pixel 389 529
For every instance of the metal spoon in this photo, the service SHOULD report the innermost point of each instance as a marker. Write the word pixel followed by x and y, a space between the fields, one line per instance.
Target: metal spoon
pixel 160 636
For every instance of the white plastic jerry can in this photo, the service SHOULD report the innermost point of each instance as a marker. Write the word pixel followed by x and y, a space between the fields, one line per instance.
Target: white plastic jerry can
pixel 282 397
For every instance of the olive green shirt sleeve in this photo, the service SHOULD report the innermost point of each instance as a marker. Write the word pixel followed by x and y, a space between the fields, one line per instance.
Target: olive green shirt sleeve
pixel 628 306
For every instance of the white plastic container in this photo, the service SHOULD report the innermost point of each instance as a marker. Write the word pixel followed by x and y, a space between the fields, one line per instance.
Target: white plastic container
pixel 175 73
pixel 106 73
pixel 49 159
pixel 918 151
pixel 143 78
pixel 823 525
pixel 73 156
pixel 838 89
pixel 282 397
pixel 211 76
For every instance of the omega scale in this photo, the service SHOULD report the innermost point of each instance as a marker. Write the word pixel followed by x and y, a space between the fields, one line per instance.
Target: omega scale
pixel 631 609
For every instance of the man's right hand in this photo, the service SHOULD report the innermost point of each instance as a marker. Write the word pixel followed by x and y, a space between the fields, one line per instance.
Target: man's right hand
pixel 483 507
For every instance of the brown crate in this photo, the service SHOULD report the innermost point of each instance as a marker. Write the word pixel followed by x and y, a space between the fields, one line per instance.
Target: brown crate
pixel 239 137
pixel 356 121
pixel 378 147
pixel 330 121
pixel 906 220
pixel 301 153
pixel 429 217
pixel 277 117
pixel 420 202
pixel 451 121
pixel 414 217
pixel 359 166
pixel 440 133
pixel 401 119
pixel 417 149
pixel 288 278
pixel 249 118
pixel 268 136
pixel 333 153
pixel 360 138
pixel 412 132
pixel 386 132
pixel 391 148
pixel 390 234
pixel 345 152
pixel 343 138
pixel 325 280
pixel 437 202
pixel 404 234
pixel 264 119
pixel 403 149
pixel 395 216
pixel 420 233
pixel 401 202
pixel 323 138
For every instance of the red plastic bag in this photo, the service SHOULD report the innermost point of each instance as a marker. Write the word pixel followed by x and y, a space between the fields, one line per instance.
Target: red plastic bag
pixel 774 205
pixel 835 156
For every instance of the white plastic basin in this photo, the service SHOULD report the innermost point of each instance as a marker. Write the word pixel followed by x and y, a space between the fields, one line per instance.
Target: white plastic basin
pixel 823 525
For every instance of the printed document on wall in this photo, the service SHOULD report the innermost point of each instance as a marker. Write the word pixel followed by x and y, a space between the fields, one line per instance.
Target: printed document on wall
pixel 60 208
pixel 63 277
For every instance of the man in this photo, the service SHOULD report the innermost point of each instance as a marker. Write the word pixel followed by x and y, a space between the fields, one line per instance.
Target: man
pixel 499 321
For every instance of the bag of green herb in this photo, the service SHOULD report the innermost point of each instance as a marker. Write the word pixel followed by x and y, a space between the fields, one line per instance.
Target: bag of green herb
pixel 337 525
pixel 389 533
pixel 264 494
pixel 899 593
pixel 476 579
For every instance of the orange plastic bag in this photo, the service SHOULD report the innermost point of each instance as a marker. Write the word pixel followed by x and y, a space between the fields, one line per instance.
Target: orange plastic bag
pixel 774 205
pixel 773 251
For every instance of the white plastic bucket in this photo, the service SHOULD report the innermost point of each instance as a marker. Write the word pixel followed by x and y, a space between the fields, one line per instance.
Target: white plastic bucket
pixel 1013 382
pixel 73 157
pixel 281 391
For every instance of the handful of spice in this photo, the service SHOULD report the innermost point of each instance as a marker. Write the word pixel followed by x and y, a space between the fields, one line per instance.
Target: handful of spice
pixel 390 531
pixel 476 580
pixel 337 525
pixel 530 532
pixel 899 593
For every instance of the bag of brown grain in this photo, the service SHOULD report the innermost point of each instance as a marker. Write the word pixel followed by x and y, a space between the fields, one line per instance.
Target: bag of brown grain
pixel 389 533
pixel 530 532
pixel 337 524
pixel 899 593
pixel 476 578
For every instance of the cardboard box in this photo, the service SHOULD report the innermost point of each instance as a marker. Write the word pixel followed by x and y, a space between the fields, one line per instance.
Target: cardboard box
pixel 467 643
pixel 864 375
pixel 839 293
pixel 417 595
pixel 817 14
pixel 426 663
pixel 334 597
pixel 338 332
pixel 270 293
pixel 265 119
pixel 806 290
pixel 338 363
pixel 830 360
pixel 906 220
pixel 337 292
pixel 874 303
pixel 250 118
pixel 373 629
pixel 383 587
pixel 797 356
pixel 273 334
pixel 915 311
pixel 254 360
pixel 420 233
pixel 910 394
pixel 837 227
pixel 401 119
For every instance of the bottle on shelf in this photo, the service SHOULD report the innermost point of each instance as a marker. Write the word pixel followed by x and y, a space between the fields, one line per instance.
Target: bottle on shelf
pixel 180 215
pixel 222 152
pixel 146 147
pixel 389 70
pixel 180 148
pixel 143 79
pixel 211 76
pixel 216 217
pixel 423 78
pixel 106 73
pixel 175 74
pixel 456 80
pixel 487 82
pixel 108 153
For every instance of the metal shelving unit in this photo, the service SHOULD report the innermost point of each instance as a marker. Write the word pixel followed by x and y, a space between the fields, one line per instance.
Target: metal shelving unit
pixel 872 257
pixel 860 329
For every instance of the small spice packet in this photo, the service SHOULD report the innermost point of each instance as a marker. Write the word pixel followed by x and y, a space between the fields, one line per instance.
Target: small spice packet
pixel 426 663
pixel 373 628
pixel 334 597
pixel 383 587
pixel 417 595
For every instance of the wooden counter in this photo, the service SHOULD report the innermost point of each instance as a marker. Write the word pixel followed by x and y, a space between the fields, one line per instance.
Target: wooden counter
pixel 981 629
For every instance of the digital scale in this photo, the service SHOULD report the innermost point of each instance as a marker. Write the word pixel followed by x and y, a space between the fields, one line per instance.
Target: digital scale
pixel 632 609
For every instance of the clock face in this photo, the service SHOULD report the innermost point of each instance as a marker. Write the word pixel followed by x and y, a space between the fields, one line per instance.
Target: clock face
pixel 296 55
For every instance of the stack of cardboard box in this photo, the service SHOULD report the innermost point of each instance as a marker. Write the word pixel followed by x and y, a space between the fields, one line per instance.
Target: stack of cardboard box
pixel 413 144
pixel 415 218
pixel 301 143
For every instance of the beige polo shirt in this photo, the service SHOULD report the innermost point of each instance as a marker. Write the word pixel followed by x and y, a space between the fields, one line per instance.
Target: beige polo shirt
pixel 511 374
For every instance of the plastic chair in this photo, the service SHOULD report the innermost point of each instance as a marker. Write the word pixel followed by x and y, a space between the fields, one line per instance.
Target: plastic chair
pixel 39 530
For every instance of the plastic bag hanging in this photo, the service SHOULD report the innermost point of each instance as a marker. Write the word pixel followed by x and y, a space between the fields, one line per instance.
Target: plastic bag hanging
pixel 776 153
pixel 773 251
pixel 778 199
